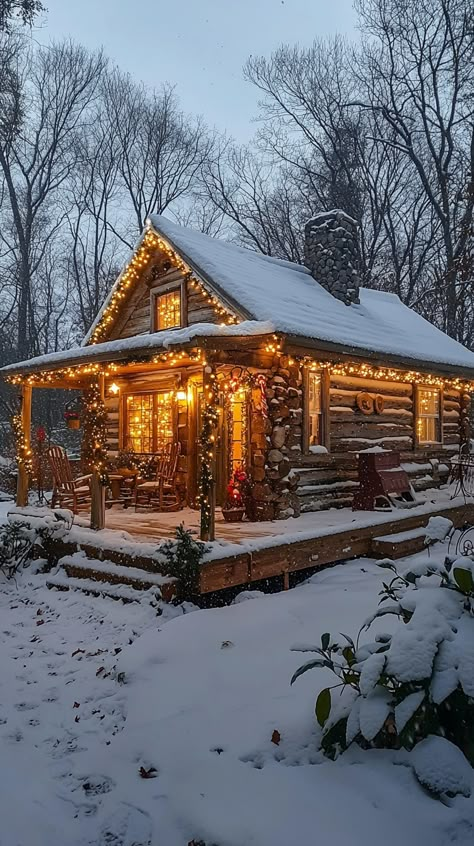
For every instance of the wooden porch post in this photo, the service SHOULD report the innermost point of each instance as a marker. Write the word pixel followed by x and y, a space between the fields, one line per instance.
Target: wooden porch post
pixel 22 479
pixel 97 488
pixel 208 462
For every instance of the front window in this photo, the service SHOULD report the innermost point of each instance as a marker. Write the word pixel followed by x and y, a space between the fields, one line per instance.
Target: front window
pixel 149 422
pixel 168 310
pixel 315 409
pixel 429 416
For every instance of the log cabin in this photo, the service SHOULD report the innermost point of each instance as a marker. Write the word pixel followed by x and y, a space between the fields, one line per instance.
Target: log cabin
pixel 247 361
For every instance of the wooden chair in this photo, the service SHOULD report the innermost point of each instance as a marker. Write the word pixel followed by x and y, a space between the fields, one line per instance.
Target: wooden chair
pixel 67 492
pixel 162 492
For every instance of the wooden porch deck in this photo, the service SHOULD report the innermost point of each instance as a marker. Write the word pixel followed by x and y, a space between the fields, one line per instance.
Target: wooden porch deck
pixel 246 553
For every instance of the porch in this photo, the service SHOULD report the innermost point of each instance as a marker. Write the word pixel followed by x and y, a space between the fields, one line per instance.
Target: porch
pixel 248 553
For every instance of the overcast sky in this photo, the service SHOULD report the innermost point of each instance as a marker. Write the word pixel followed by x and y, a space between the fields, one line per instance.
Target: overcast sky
pixel 198 45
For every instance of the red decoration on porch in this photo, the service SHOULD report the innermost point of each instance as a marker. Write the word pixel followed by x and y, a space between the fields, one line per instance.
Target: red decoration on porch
pixel 238 491
pixel 41 434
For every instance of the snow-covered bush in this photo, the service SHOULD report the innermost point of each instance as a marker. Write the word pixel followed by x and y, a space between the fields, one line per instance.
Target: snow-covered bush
pixel 183 558
pixel 410 684
pixel 22 540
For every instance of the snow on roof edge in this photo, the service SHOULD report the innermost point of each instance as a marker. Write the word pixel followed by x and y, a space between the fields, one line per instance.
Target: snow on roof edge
pixel 140 343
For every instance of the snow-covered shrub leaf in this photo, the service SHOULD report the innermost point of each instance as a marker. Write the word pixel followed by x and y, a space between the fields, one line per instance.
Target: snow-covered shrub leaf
pixel 353 721
pixel 310 665
pixel 441 767
pixel 385 564
pixel 406 708
pixel 395 608
pixel 374 710
pixel 349 639
pixel 325 638
pixel 438 529
pixel 426 568
pixel 463 579
pixel 305 647
pixel 464 652
pixel 371 671
pixel 443 683
pixel 323 706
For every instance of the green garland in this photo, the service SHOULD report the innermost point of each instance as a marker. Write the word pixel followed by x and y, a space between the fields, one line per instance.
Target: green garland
pixel 210 419
pixel 24 455
pixel 94 441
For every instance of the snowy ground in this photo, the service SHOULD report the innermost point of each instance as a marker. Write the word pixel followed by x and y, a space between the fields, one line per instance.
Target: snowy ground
pixel 92 690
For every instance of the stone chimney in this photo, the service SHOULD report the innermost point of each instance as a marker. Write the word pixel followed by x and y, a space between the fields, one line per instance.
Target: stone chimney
pixel 331 253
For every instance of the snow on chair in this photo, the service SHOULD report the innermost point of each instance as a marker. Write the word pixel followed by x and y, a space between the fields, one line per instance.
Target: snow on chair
pixel 163 491
pixel 68 492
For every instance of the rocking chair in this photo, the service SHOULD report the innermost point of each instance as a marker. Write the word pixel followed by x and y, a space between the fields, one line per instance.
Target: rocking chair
pixel 162 492
pixel 74 494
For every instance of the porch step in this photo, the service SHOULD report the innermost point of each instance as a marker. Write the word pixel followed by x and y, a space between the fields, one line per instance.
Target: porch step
pixel 91 587
pixel 399 544
pixel 80 568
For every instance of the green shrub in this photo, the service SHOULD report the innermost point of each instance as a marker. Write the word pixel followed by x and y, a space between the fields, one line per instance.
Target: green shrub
pixel 183 557
pixel 416 682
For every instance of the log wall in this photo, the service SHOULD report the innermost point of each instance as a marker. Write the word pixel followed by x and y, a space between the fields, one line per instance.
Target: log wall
pixel 331 480
pixel 289 480
pixel 136 318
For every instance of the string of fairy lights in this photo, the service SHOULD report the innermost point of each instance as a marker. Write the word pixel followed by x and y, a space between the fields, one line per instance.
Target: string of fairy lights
pixel 144 257
pixel 210 412
pixel 207 443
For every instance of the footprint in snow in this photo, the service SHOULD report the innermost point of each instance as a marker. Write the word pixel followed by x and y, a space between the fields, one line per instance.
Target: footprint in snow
pixel 25 706
pixel 126 826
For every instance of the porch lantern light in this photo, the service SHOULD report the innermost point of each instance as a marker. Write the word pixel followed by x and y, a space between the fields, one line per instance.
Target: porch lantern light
pixel 181 396
pixel 114 388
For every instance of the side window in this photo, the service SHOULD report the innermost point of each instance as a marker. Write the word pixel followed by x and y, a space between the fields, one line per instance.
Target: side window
pixel 315 407
pixel 429 416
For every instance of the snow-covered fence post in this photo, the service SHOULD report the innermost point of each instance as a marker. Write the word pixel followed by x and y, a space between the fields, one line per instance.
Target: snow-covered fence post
pixel 22 425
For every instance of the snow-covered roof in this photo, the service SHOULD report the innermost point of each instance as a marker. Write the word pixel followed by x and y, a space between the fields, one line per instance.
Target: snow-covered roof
pixel 287 295
pixel 139 345
pixel 270 296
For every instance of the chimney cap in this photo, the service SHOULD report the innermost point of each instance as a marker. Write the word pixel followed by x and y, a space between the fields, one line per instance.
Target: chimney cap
pixel 336 215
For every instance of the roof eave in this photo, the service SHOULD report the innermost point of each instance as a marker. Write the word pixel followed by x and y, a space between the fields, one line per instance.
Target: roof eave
pixel 378 358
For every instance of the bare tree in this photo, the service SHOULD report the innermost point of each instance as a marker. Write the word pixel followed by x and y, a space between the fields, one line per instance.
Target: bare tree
pixel 22 11
pixel 56 88
pixel 416 73
pixel 160 150
pixel 93 252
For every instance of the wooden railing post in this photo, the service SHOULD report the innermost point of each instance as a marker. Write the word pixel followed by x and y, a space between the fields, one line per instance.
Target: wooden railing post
pixel 97 488
pixel 22 478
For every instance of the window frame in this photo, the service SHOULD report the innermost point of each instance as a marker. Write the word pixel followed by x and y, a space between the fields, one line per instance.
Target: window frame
pixel 419 442
pixel 164 290
pixel 325 439
pixel 124 416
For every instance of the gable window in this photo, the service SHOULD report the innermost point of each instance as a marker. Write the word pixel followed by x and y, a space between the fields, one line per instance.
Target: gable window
pixel 429 416
pixel 148 421
pixel 168 310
